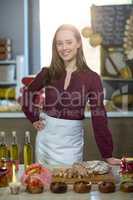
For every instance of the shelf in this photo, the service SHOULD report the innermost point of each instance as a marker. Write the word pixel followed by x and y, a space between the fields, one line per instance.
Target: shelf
pixel 3 83
pixel 114 114
pixel 12 115
pixel 116 79
pixel 7 62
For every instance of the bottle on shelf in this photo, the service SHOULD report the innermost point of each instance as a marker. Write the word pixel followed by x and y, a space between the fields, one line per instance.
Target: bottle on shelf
pixel 3 146
pixel 14 150
pixel 27 150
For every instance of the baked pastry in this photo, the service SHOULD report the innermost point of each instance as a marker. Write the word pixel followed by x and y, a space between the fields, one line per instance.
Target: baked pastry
pixel 126 187
pixel 82 170
pixel 58 187
pixel 106 187
pixel 34 185
pixel 36 178
pixel 82 187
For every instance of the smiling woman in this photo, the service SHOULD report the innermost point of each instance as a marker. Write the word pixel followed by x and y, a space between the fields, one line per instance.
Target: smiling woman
pixel 60 137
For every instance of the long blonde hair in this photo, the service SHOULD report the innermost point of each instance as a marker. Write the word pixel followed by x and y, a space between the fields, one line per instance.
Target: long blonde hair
pixel 57 67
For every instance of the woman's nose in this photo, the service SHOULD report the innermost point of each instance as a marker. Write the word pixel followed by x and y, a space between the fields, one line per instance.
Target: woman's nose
pixel 65 46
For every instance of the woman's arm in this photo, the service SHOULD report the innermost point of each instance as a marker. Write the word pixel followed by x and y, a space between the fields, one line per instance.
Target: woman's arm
pixel 99 118
pixel 29 94
pixel 100 122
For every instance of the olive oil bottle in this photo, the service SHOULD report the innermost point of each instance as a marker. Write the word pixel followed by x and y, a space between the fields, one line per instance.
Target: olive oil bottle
pixel 3 146
pixel 27 150
pixel 14 150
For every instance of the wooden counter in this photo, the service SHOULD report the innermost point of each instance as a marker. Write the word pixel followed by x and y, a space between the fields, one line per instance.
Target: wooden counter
pixel 70 195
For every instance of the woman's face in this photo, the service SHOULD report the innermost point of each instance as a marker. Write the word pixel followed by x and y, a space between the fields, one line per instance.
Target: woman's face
pixel 67 45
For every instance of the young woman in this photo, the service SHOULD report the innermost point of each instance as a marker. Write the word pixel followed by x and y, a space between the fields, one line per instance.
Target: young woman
pixel 69 84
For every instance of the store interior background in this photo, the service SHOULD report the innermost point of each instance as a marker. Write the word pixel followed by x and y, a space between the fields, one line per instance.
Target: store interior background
pixel 30 25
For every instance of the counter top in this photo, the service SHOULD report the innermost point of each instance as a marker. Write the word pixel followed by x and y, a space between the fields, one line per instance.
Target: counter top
pixel 70 195
pixel 114 114
pixel 93 195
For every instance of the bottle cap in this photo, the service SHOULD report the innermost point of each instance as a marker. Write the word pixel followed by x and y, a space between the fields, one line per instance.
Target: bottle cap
pixel 14 133
pixel 27 133
pixel 2 133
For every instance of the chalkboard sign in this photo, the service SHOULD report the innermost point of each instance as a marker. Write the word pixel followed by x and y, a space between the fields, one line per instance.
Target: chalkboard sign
pixel 110 22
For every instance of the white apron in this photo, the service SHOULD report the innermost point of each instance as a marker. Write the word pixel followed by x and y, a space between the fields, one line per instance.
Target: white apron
pixel 60 142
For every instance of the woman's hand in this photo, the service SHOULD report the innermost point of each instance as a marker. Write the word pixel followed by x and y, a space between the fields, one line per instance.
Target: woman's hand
pixel 39 125
pixel 113 161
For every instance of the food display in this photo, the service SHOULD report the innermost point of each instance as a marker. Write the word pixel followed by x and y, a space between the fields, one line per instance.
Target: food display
pixel 35 178
pixel 78 177
pixel 126 173
pixel 82 187
pixel 58 187
pixel 93 171
pixel 106 187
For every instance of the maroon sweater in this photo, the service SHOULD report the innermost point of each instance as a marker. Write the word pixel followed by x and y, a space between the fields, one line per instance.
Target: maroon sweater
pixel 84 87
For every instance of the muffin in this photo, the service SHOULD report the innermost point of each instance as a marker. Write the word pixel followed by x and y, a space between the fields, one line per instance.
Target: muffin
pixel 58 187
pixel 34 185
pixel 106 187
pixel 82 187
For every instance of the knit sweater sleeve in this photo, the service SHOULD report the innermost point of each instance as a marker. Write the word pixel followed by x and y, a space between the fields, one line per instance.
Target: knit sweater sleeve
pixel 29 107
pixel 99 118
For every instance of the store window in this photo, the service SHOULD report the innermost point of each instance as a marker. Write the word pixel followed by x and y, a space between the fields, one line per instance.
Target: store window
pixel 55 13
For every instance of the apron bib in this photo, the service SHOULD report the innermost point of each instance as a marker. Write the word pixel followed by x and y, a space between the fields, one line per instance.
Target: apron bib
pixel 60 142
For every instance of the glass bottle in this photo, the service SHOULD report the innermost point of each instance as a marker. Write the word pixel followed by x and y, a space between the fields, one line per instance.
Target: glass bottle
pixel 3 146
pixel 27 151
pixel 14 150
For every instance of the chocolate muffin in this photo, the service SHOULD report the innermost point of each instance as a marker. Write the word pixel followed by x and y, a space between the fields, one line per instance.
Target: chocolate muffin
pixel 106 187
pixel 82 187
pixel 58 187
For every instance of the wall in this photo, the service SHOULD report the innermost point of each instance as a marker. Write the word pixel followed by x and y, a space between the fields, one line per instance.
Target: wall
pixel 12 23
pixel 120 128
